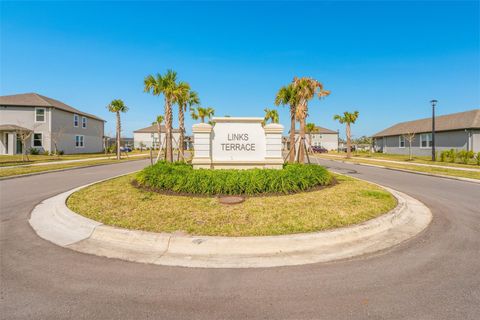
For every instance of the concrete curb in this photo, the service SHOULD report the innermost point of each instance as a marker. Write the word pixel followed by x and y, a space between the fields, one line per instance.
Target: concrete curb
pixel 405 170
pixel 53 221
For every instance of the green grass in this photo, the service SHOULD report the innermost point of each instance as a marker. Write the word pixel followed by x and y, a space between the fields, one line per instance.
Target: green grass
pixel 415 159
pixel 16 160
pixel 180 177
pixel 424 169
pixel 9 172
pixel 116 202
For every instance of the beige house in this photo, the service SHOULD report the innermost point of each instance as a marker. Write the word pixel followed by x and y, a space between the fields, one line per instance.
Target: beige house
pixel 322 137
pixel 52 125
pixel 148 137
pixel 460 131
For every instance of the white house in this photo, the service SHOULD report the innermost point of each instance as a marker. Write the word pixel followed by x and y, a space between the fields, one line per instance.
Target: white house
pixel 321 137
pixel 148 137
pixel 51 125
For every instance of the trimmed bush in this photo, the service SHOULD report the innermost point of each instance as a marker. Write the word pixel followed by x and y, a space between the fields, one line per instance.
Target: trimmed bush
pixel 180 177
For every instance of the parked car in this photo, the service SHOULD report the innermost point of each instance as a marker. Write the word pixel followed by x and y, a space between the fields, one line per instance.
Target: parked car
pixel 125 149
pixel 317 149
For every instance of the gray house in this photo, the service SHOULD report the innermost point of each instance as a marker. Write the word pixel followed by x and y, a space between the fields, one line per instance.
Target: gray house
pixel 50 125
pixel 453 131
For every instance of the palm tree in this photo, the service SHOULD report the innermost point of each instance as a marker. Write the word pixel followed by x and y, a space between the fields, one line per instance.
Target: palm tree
pixel 117 106
pixel 347 118
pixel 158 122
pixel 306 89
pixel 272 115
pixel 202 113
pixel 309 129
pixel 287 96
pixel 166 85
pixel 186 97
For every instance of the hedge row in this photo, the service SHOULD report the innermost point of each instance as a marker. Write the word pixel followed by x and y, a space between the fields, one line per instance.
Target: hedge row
pixel 182 178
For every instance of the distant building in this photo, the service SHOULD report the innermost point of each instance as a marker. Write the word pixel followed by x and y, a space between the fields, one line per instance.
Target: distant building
pixel 453 131
pixel 52 124
pixel 322 137
pixel 148 137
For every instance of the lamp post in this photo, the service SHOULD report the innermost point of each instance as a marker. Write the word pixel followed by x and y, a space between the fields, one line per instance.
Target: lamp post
pixel 434 103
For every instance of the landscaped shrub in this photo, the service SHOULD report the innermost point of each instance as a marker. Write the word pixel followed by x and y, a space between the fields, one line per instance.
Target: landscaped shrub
pixel 182 178
pixel 478 158
pixel 444 155
pixel 34 151
pixel 465 156
pixel 452 155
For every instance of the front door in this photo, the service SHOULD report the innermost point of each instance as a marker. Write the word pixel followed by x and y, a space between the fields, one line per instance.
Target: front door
pixel 19 145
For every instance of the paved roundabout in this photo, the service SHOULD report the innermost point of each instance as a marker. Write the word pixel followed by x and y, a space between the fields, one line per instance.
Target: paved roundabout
pixel 432 276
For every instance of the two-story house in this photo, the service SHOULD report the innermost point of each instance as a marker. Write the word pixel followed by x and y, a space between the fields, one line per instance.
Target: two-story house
pixel 52 125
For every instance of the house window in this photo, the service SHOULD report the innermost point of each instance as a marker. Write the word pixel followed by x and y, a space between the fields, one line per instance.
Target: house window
pixel 79 141
pixel 401 141
pixel 75 120
pixel 84 122
pixel 39 114
pixel 37 140
pixel 426 140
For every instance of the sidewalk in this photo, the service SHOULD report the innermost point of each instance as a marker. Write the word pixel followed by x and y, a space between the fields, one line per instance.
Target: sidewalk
pixel 400 162
pixel 69 161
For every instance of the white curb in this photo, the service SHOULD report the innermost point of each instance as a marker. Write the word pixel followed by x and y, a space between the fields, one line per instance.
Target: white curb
pixel 53 221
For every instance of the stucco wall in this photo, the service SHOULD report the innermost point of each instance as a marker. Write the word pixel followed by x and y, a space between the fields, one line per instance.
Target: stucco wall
pixel 443 141
pixel 64 132
pixel 25 117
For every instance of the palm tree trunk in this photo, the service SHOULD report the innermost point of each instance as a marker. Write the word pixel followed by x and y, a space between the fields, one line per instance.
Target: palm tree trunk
pixel 181 127
pixel 348 140
pixel 159 127
pixel 168 134
pixel 203 119
pixel 118 135
pixel 292 134
pixel 301 146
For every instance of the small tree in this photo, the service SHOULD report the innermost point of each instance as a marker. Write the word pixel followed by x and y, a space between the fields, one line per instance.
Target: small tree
pixel 309 129
pixel 347 118
pixel 23 135
pixel 410 137
pixel 117 106
pixel 55 136
pixel 158 123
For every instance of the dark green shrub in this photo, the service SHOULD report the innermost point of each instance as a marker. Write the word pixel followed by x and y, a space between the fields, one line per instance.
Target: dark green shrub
pixel 452 155
pixel 465 156
pixel 444 155
pixel 478 158
pixel 182 178
pixel 34 151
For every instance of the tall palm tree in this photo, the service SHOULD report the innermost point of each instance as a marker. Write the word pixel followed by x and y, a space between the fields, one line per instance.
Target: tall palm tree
pixel 287 96
pixel 186 97
pixel 306 89
pixel 309 129
pixel 348 118
pixel 202 113
pixel 272 115
pixel 158 122
pixel 166 85
pixel 118 106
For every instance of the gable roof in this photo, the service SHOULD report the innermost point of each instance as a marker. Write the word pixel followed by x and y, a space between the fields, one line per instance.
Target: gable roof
pixel 455 121
pixel 321 130
pixel 37 100
pixel 153 129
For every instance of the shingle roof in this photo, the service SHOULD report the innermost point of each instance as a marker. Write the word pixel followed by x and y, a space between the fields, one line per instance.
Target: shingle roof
pixel 37 100
pixel 455 121
pixel 154 129
pixel 321 130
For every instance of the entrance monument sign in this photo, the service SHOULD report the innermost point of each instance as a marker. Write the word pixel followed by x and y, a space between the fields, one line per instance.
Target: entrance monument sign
pixel 237 143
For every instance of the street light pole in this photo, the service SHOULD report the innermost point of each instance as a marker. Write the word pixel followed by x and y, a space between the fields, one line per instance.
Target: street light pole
pixel 434 103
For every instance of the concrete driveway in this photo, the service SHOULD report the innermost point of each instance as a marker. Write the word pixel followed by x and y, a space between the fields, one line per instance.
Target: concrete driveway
pixel 433 276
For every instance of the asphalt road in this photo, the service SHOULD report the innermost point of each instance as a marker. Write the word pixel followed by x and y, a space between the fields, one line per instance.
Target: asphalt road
pixel 433 276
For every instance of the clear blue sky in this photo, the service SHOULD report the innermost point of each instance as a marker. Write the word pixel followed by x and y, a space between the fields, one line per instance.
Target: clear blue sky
pixel 385 59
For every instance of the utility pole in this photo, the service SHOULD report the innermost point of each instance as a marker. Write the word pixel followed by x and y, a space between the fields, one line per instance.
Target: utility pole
pixel 434 103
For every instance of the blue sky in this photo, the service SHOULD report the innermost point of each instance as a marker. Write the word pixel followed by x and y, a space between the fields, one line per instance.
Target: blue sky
pixel 385 59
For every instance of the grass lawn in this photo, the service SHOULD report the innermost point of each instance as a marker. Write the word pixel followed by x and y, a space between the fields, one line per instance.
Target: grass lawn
pixel 432 170
pixel 8 172
pixel 415 159
pixel 116 202
pixel 16 160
